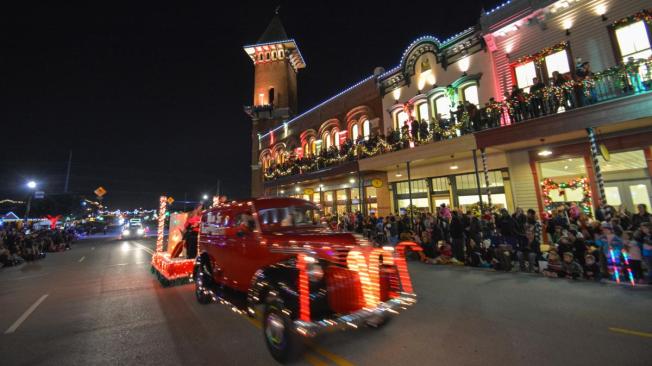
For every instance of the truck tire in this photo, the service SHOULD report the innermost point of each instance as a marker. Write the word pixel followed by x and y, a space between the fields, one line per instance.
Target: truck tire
pixel 283 343
pixel 201 286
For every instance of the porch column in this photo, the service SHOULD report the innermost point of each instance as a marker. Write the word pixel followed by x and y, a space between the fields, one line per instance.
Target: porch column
pixel 477 178
pixel 483 155
pixel 596 165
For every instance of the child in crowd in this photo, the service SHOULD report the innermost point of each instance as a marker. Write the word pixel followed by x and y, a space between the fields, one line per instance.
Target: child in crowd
pixel 633 251
pixel 474 257
pixel 445 254
pixel 591 268
pixel 569 267
pixel 554 265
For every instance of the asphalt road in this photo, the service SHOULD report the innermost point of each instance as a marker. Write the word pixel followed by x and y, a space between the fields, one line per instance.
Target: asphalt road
pixel 99 304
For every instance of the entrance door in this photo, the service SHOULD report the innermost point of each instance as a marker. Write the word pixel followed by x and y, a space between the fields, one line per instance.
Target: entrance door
pixel 629 193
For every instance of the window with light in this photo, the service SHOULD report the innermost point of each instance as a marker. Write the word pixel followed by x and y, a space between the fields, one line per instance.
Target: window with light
pixel 401 117
pixel 443 106
pixel 557 61
pixel 366 129
pixel 471 94
pixel 633 41
pixel 336 138
pixel 354 132
pixel 423 111
pixel 328 141
pixel 524 75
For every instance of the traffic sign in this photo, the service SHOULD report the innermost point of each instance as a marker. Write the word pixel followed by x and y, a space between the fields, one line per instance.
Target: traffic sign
pixel 39 195
pixel 100 191
pixel 170 200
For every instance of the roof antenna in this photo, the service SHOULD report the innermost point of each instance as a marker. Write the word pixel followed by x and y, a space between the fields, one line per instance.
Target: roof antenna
pixel 278 8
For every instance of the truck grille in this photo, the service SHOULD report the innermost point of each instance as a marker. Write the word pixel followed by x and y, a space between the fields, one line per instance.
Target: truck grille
pixel 344 290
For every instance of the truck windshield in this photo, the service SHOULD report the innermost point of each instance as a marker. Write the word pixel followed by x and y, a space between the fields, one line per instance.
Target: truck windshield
pixel 287 217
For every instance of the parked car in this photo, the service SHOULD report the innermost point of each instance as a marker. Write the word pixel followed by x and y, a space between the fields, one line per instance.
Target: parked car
pixel 303 278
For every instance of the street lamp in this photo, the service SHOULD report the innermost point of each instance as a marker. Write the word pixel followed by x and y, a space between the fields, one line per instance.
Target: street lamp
pixel 205 197
pixel 31 185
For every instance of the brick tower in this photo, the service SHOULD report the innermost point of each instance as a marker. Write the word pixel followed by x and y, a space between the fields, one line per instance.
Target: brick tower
pixel 277 61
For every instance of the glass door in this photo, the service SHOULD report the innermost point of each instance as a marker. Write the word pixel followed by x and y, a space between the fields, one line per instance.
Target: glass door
pixel 629 193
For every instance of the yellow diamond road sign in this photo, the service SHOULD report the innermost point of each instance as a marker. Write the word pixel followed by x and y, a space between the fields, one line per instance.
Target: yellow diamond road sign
pixel 100 191
pixel 170 200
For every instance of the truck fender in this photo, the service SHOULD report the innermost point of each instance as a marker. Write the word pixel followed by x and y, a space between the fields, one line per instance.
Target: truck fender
pixel 275 283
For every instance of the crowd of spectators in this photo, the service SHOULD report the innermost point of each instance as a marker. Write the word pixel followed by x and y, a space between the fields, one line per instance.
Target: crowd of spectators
pixel 567 243
pixel 19 244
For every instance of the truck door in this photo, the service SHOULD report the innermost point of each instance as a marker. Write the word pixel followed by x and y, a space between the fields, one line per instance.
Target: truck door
pixel 213 240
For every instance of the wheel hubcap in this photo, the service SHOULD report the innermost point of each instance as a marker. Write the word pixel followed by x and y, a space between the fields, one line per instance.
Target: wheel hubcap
pixel 274 330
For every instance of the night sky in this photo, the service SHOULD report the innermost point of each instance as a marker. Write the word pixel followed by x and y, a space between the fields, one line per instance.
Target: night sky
pixel 149 95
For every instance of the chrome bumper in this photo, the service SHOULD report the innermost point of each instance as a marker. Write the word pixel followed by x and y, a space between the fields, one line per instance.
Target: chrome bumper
pixel 357 318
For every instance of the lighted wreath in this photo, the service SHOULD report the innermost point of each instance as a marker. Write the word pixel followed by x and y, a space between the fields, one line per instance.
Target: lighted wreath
pixel 580 183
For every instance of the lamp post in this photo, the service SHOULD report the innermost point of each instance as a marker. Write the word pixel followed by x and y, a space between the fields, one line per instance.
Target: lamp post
pixel 31 185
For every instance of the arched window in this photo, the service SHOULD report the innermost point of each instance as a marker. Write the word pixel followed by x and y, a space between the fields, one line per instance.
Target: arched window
pixel 312 146
pixel 336 138
pixel 442 106
pixel 354 132
pixel 470 94
pixel 270 96
pixel 328 141
pixel 401 117
pixel 366 129
pixel 424 113
pixel 280 156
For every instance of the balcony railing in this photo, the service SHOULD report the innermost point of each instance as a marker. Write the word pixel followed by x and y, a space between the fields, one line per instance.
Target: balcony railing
pixel 616 82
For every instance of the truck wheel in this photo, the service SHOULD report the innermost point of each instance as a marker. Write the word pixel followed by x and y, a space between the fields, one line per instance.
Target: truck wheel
pixel 200 287
pixel 282 341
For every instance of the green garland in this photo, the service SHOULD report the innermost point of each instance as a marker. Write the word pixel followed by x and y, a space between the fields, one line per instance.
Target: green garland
pixel 644 15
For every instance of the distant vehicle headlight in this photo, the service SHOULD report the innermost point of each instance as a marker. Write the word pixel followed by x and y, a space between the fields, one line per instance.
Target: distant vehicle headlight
pixel 126 232
pixel 140 231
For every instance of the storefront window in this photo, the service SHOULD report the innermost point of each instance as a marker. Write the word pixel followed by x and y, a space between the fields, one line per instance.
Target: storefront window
pixel 557 61
pixel 328 196
pixel 640 195
pixel 419 203
pixel 418 186
pixel 497 200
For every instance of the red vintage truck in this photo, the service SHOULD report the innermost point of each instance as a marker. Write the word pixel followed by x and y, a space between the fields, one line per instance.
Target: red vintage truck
pixel 302 277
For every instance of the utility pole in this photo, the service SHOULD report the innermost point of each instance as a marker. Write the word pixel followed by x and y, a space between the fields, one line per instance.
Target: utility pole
pixel 65 187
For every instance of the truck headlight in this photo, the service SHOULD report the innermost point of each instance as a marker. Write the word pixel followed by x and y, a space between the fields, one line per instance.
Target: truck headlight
pixel 315 272
pixel 125 232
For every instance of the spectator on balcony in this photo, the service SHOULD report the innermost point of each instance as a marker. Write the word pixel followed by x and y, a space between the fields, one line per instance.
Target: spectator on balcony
pixel 585 76
pixel 565 96
pixel 517 98
pixel 414 130
pixel 536 98
pixel 423 130
pixel 634 76
pixel 405 132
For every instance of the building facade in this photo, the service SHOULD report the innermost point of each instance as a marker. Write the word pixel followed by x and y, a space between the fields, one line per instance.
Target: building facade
pixel 542 103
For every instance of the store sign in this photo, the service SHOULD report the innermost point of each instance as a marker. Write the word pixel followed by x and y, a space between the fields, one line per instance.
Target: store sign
pixel 605 152
pixel 377 183
pixel 309 191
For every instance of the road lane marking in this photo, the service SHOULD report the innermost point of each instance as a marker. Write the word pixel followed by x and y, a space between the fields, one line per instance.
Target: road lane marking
pixel 313 360
pixel 27 313
pixel 631 332
pixel 145 248
pixel 339 361
pixel 82 259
